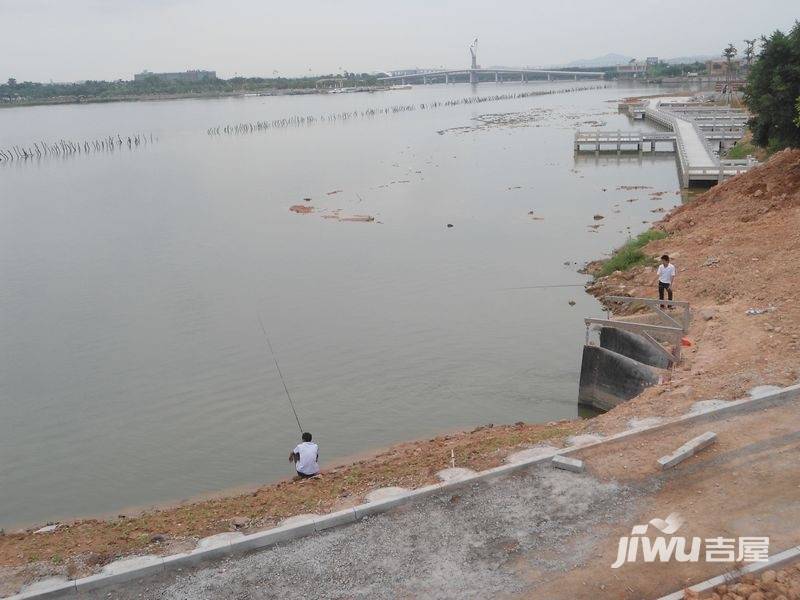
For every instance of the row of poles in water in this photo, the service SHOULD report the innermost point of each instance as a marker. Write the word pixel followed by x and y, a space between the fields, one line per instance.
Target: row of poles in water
pixel 305 120
pixel 63 148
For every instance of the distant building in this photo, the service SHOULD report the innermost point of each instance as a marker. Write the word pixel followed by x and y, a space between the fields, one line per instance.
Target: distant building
pixel 651 61
pixel 719 66
pixel 184 77
pixel 634 68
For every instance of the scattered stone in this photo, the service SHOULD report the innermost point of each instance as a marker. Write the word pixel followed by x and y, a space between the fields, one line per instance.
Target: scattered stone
pixel 711 260
pixel 158 538
pixel 598 217
pixel 47 528
pixel 240 522
pixel 707 314
pixel 301 210
pixel 759 311
pixel 449 225
pixel 571 302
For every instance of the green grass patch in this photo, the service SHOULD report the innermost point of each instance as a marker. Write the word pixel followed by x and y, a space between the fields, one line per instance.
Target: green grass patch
pixel 631 255
pixel 742 149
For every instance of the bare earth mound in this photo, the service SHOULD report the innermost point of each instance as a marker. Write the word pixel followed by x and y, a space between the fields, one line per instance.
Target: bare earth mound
pixel 736 247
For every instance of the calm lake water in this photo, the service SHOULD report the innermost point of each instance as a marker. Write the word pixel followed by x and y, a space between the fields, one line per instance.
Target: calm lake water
pixel 133 369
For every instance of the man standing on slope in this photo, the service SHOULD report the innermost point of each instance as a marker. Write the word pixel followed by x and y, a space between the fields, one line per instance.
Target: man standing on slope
pixel 306 457
pixel 665 276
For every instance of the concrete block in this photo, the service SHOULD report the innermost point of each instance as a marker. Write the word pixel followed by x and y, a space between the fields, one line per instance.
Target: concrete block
pixel 299 519
pixel 455 474
pixel 121 571
pixel 584 439
pixel 219 540
pixel 185 560
pixel 430 490
pixel 374 508
pixel 690 448
pixel 47 589
pixel 531 454
pixel 335 519
pixel 385 493
pixel 761 391
pixel 270 537
pixel 568 464
pixel 644 422
pixel 703 406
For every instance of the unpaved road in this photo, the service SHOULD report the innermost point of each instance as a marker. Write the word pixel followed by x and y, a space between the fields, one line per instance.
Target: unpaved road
pixel 539 534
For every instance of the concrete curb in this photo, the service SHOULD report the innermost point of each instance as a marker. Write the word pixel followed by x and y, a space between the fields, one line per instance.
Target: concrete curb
pixel 689 449
pixel 568 464
pixel 277 535
pixel 776 560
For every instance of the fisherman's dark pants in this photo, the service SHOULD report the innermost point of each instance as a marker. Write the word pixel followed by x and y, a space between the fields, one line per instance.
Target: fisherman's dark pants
pixel 664 286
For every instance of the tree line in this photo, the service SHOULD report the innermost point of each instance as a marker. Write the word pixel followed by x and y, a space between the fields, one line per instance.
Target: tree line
pixel 29 91
pixel 772 92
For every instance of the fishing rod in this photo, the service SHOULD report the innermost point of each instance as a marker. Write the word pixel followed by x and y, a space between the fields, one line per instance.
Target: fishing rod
pixel 278 368
pixel 542 287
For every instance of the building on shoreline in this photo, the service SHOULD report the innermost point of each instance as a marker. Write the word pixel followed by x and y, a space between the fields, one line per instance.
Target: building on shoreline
pixel 184 77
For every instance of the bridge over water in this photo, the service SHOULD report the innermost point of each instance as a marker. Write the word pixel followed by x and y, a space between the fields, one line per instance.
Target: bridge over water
pixel 474 72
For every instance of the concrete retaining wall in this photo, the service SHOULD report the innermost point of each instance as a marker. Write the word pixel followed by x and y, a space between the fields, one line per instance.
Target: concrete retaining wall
pixel 633 346
pixel 609 379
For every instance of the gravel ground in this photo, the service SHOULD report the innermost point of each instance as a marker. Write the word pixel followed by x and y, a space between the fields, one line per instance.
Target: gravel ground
pixel 484 540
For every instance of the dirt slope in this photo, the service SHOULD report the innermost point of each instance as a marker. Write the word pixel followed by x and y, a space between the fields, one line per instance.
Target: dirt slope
pixel 736 247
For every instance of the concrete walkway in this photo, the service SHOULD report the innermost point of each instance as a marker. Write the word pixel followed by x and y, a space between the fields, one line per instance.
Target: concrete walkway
pixel 696 153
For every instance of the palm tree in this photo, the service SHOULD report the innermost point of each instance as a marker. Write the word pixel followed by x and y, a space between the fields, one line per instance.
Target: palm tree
pixel 729 53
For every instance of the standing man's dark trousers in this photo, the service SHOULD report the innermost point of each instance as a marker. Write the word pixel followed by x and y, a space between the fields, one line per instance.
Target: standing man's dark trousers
pixel 664 286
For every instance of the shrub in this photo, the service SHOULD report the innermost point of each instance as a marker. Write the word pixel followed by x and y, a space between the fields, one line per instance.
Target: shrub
pixel 631 255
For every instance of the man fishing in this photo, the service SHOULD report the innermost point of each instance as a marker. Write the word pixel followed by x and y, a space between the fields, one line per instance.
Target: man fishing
pixel 306 457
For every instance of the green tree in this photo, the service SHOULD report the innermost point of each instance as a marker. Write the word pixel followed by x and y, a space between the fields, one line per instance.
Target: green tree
pixel 749 51
pixel 773 90
pixel 730 53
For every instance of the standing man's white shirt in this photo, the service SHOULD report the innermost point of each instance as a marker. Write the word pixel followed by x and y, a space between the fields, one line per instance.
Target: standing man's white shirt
pixel 666 274
pixel 308 452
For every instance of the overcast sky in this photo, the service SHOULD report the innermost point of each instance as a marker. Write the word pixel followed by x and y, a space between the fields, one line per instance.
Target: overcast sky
pixel 68 40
